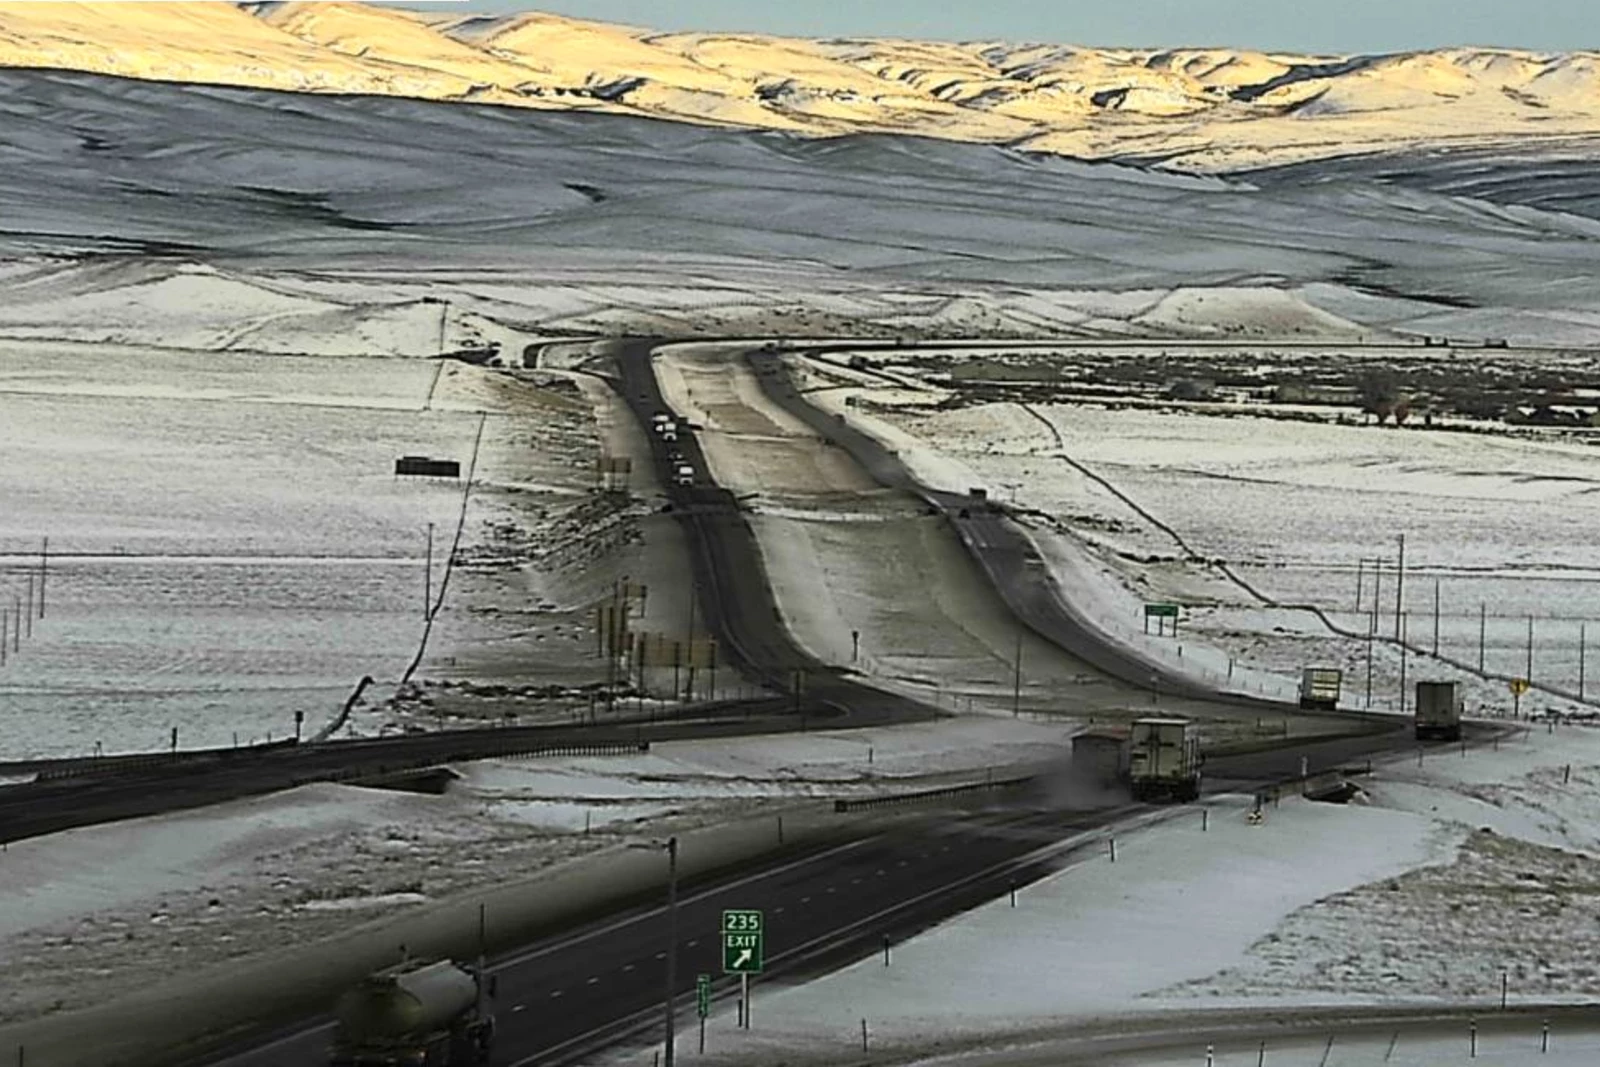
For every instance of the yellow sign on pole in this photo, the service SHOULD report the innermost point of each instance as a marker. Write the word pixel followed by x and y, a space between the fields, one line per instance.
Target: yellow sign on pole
pixel 1520 686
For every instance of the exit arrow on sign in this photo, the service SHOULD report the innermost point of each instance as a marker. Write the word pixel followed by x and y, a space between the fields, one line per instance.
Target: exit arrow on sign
pixel 742 958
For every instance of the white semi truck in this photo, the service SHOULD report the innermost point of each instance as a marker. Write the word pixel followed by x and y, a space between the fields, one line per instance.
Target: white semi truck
pixel 415 1014
pixel 1164 760
pixel 1320 687
pixel 1438 715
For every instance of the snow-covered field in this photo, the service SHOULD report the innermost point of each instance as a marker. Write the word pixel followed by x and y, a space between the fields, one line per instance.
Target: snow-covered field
pixel 101 908
pixel 1430 887
pixel 1293 509
pixel 229 544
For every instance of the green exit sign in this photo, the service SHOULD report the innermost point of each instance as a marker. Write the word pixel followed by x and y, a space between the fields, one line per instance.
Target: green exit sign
pixel 743 941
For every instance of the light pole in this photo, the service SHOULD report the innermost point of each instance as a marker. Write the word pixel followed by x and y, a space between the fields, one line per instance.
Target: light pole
pixel 671 847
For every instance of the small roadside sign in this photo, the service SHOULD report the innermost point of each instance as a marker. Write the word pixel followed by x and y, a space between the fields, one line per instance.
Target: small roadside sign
pixel 743 941
pixel 1520 686
pixel 702 994
pixel 1161 613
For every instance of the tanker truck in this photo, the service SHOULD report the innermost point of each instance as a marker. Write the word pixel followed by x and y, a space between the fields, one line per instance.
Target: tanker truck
pixel 416 1014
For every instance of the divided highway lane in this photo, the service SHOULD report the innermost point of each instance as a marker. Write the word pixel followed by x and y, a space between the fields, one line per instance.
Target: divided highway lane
pixel 729 578
pixel 566 998
pixel 1002 552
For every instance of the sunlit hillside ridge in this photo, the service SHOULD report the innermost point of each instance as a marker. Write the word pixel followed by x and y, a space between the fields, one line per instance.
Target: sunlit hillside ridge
pixel 1190 108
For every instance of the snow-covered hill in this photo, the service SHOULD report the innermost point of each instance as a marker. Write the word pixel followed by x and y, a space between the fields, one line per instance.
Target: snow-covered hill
pixel 1188 108
pixel 201 216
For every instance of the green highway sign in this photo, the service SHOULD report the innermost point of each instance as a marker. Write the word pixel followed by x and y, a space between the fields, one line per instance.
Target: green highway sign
pixel 1161 611
pixel 743 941
pixel 744 921
pixel 702 994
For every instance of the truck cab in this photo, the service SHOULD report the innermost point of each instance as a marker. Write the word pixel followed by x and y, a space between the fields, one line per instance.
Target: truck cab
pixel 683 474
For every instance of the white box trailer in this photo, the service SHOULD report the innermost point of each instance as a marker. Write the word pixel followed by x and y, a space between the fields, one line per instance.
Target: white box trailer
pixel 1438 714
pixel 1320 687
pixel 1164 759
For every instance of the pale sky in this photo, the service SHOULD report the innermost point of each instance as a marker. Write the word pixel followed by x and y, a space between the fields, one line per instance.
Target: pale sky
pixel 1290 25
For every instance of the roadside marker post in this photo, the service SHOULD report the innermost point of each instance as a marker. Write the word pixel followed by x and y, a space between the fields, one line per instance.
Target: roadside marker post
pixel 702 1003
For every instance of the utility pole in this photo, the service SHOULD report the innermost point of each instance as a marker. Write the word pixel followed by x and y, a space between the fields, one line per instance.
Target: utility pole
pixel 1529 674
pixel 1483 622
pixel 44 567
pixel 1400 589
pixel 1360 565
pixel 1436 618
pixel 29 616
pixel 689 693
pixel 1016 677
pixel 1406 626
pixel 16 634
pixel 1371 618
pixel 1583 641
pixel 427 580
pixel 672 944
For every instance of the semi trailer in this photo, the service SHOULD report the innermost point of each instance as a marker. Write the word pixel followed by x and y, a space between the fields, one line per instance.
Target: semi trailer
pixel 1164 760
pixel 1320 687
pixel 1438 715
pixel 416 1014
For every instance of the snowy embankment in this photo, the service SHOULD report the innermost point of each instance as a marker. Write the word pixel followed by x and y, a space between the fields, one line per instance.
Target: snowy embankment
pixel 1294 510
pixel 94 911
pixel 1084 580
pixel 1427 890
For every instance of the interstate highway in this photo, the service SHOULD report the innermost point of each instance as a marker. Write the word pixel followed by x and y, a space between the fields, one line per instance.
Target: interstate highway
pixel 567 997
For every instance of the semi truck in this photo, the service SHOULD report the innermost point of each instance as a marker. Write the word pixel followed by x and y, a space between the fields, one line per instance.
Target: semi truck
pixel 416 1014
pixel 1438 715
pixel 1320 687
pixel 1164 760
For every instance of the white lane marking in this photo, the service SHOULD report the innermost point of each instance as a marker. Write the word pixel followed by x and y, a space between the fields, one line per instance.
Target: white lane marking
pixel 593 981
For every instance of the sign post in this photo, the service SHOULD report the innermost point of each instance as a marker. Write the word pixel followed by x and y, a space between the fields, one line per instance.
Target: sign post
pixel 743 950
pixel 702 1003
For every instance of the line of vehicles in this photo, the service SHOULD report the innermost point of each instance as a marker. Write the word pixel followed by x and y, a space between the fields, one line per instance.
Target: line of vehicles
pixel 1436 714
pixel 666 428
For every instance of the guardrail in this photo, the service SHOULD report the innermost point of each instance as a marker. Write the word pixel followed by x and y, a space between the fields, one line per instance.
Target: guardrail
pixel 108 766
pixel 434 759
pixel 595 748
pixel 925 795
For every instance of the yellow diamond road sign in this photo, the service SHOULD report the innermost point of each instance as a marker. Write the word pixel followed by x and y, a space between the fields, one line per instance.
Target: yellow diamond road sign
pixel 1520 685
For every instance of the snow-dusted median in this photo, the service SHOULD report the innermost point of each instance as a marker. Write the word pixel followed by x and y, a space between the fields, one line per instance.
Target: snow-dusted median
pixel 1441 880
